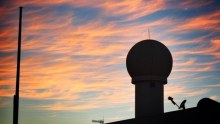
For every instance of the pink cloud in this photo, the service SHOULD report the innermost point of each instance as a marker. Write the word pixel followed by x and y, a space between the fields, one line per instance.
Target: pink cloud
pixel 194 4
pixel 214 97
pixel 198 92
pixel 214 85
pixel 203 22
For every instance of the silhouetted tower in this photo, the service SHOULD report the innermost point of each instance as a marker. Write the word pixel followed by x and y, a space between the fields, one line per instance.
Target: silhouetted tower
pixel 149 63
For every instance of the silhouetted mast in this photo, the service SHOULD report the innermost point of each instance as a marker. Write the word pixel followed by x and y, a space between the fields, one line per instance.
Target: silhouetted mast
pixel 16 96
pixel 148 33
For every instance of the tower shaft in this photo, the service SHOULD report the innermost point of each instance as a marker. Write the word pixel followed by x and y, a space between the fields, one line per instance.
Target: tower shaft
pixel 149 96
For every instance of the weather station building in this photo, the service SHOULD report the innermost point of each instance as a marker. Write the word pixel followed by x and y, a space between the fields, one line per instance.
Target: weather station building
pixel 149 63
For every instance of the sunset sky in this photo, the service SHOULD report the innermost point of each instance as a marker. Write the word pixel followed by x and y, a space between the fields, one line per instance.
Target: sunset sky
pixel 74 51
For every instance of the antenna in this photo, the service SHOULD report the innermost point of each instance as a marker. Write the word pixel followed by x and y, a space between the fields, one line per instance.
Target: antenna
pixel 182 105
pixel 99 121
pixel 16 96
pixel 148 33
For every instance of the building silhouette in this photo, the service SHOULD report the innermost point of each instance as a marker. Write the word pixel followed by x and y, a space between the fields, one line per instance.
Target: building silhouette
pixel 149 64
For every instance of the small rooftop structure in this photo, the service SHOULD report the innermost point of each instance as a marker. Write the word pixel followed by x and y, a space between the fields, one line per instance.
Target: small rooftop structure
pixel 206 112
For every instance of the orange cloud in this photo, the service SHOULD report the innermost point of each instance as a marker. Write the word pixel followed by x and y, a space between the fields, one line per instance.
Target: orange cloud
pixel 173 90
pixel 196 93
pixel 8 41
pixel 214 85
pixel 133 9
pixel 212 50
pixel 214 97
pixel 7 74
pixel 192 65
pixel 204 22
